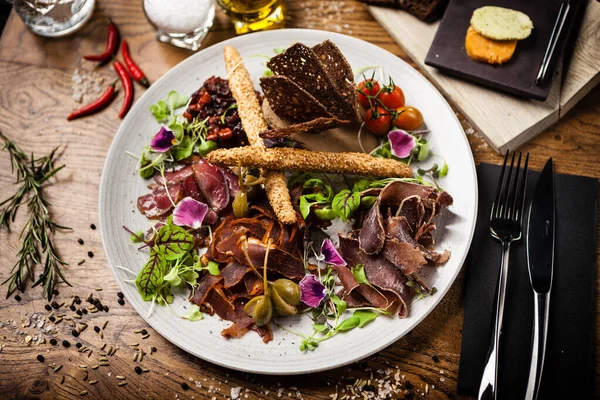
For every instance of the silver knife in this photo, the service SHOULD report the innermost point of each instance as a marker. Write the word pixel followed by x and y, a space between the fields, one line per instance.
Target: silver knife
pixel 540 259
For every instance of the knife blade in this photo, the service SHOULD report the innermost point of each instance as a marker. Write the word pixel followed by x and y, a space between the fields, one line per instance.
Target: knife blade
pixel 540 261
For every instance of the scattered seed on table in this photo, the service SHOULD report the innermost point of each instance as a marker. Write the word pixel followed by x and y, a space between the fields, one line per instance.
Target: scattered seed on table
pixel 66 343
pixel 57 368
pixel 83 366
pixel 62 379
pixel 40 358
pixel 138 370
pixel 144 332
pixel 145 369
pixel 146 336
pixel 17 297
pixel 90 296
pixel 58 321
pixel 93 226
pixel 96 329
pixel 103 359
pixel 83 393
pixel 90 353
pixel 74 332
pixel 103 345
pixel 152 349
pixel 78 345
pixel 80 241
pixel 120 295
pixel 72 308
pixel 104 324
pixel 135 356
pixel 78 312
pixel 184 386
pixel 98 289
pixel 53 342
pixel 103 364
pixel 80 262
pixel 52 318
pixel 54 305
pixel 122 383
pixel 55 292
pixel 85 377
pixel 93 382
pixel 141 357
pixel 95 367
pixel 90 254
pixel 47 307
pixel 120 377
pixel 77 300
pixel 84 310
pixel 121 302
pixel 109 350
pixel 114 351
pixel 105 308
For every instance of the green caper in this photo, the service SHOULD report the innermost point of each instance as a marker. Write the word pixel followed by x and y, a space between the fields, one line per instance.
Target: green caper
pixel 288 290
pixel 240 205
pixel 260 309
pixel 281 307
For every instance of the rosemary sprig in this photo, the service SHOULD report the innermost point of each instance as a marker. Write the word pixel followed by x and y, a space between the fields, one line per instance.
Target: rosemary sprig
pixel 37 234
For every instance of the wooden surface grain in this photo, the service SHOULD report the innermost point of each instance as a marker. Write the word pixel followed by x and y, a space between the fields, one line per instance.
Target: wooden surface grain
pixel 36 88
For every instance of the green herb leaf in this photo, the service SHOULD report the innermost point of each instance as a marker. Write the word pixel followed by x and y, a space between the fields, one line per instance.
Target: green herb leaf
pixel 320 327
pixel 361 185
pixel 365 316
pixel 176 100
pixel 160 111
pixel 213 268
pixel 184 149
pixel 359 274
pixel 345 203
pixel 340 304
pixel 136 237
pixel 444 170
pixel 279 50
pixel 193 313
pixel 368 201
pixel 206 147
pixel 172 278
pixel 268 72
pixel 423 151
pixel 304 207
pixel 173 241
pixel 234 106
pixel 150 278
pixel 146 161
pixel 177 128
pixel 347 324
pixel 325 214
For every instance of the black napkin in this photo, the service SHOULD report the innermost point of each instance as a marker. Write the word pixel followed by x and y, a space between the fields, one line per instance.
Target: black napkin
pixel 569 367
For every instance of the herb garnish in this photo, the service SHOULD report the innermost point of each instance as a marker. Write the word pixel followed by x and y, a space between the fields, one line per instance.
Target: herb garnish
pixel 39 229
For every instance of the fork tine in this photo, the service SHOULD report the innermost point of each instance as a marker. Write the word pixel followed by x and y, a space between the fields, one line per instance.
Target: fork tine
pixel 523 190
pixel 504 195
pixel 513 193
pixel 496 202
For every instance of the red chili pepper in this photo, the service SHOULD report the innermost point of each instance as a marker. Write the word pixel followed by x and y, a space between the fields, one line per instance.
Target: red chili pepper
pixel 133 68
pixel 127 87
pixel 112 45
pixel 96 105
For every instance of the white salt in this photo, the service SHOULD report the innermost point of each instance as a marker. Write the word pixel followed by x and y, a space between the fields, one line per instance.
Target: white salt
pixel 182 16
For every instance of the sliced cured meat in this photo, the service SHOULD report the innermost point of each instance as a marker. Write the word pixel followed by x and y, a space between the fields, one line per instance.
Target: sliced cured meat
pixel 233 273
pixel 212 184
pixel 158 203
pixel 205 285
pixel 405 256
pixel 171 177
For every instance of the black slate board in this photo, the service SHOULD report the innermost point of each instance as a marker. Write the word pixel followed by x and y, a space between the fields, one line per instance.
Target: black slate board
pixel 570 356
pixel 517 76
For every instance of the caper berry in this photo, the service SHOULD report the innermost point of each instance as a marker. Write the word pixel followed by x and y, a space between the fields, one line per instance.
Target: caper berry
pixel 281 307
pixel 240 205
pixel 260 309
pixel 288 290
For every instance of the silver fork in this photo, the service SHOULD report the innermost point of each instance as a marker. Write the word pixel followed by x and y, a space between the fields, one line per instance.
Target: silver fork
pixel 506 220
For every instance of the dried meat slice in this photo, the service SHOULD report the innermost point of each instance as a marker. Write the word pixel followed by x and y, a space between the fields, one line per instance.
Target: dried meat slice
pixel 288 100
pixel 339 71
pixel 302 65
pixel 316 125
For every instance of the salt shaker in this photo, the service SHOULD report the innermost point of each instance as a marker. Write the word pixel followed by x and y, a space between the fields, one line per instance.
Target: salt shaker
pixel 183 23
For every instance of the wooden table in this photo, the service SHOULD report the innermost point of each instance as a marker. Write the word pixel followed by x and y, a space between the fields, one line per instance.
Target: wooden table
pixel 36 95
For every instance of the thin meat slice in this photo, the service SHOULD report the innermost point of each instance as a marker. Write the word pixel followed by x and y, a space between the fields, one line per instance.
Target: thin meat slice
pixel 205 285
pixel 405 256
pixel 279 260
pixel 157 204
pixel 212 184
pixel 171 177
pixel 233 273
pixel 351 285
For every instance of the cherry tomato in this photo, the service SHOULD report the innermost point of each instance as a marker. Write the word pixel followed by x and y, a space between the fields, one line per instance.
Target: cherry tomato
pixel 368 87
pixel 392 97
pixel 408 118
pixel 378 121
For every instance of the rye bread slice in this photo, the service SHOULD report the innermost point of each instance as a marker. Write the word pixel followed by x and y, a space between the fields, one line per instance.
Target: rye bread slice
pixel 339 71
pixel 302 65
pixel 316 125
pixel 288 100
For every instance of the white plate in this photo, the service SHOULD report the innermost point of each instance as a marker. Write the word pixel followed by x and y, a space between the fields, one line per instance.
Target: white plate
pixel 121 186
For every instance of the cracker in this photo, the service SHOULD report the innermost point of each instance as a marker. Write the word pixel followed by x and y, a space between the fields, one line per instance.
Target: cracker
pixel 501 23
pixel 302 65
pixel 480 48
pixel 288 100
pixel 315 125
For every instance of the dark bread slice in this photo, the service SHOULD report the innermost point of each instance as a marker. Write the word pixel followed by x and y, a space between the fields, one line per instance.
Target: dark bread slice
pixel 426 10
pixel 288 100
pixel 315 125
pixel 301 64
pixel 339 71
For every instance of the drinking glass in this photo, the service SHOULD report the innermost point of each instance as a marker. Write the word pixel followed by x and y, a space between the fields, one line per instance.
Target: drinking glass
pixel 253 15
pixel 182 23
pixel 54 18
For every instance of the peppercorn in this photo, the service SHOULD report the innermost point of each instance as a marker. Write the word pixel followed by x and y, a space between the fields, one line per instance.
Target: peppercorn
pixel 105 308
pixel 55 292
pixel 84 310
pixel 90 300
pixel 153 349
pixel 90 254
pixel 54 305
pixel 184 386
pixel 121 302
pixel 75 332
pixel 78 345
pixel 72 308
pixel 435 358
pixel 93 226
pixel 99 306
pixel 96 329
pixel 80 241
pixel 52 318
pixel 144 332
pixel 66 343
pixel 47 307
pixel 138 370
pixel 78 312
pixel 40 358
pixel 120 295
pixel 53 342
pixel 77 300
pixel 17 297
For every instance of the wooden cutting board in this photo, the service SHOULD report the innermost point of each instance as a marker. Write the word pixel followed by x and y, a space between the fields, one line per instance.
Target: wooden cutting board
pixel 505 121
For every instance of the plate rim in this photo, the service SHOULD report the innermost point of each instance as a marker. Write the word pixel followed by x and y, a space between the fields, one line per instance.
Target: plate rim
pixel 414 322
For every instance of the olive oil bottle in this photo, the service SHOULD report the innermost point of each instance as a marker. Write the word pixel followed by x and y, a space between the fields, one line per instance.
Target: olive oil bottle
pixel 253 15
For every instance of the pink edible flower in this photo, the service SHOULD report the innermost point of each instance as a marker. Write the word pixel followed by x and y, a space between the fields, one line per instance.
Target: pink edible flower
pixel 330 254
pixel 401 143
pixel 162 141
pixel 189 212
pixel 312 291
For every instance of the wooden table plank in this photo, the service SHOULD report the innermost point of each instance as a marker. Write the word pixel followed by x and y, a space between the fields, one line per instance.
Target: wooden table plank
pixel 35 97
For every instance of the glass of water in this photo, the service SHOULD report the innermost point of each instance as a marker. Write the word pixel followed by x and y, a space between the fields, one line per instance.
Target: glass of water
pixel 54 18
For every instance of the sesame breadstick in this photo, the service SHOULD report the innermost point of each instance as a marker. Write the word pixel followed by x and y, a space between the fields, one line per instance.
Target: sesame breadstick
pixel 291 159
pixel 253 123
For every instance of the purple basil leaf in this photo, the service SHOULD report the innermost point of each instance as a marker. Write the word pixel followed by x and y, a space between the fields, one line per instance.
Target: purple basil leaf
pixel 312 291
pixel 189 212
pixel 330 254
